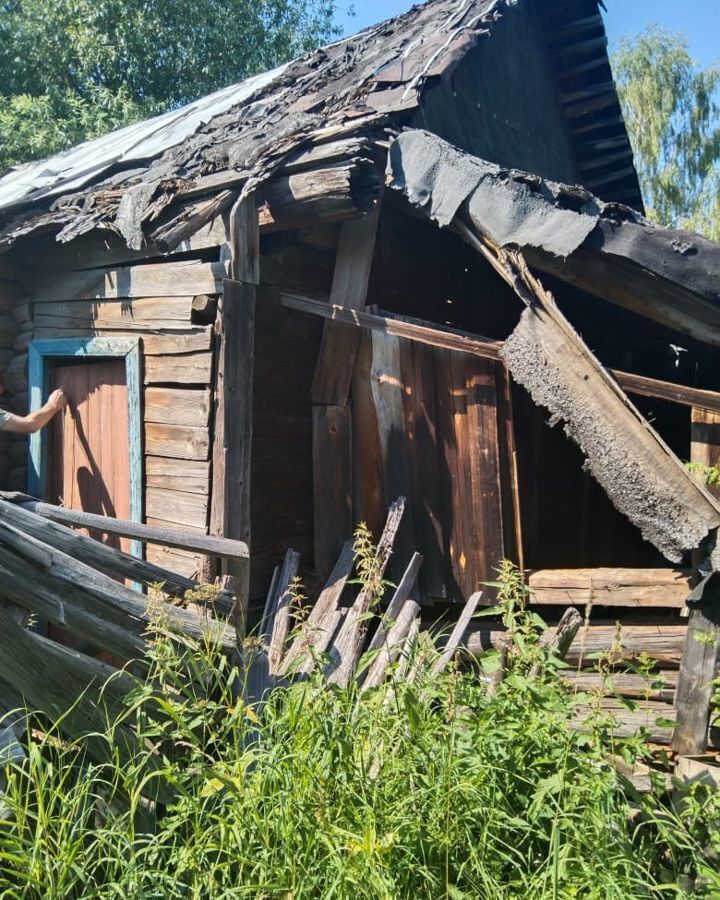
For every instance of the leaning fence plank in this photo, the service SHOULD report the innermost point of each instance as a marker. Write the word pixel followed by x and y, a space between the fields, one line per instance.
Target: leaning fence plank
pixel 149 534
pixel 458 633
pixel 281 613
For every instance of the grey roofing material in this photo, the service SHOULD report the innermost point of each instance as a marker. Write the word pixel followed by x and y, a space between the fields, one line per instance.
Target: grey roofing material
pixel 125 178
pixel 556 222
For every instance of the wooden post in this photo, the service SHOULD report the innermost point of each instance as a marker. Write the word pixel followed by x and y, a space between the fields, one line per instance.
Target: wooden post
pixel 698 669
pixel 234 355
pixel 332 437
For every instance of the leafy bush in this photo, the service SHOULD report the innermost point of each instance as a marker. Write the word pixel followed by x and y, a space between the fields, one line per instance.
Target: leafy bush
pixel 439 788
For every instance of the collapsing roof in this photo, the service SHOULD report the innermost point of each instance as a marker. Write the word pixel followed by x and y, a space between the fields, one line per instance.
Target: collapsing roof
pixel 373 79
pixel 511 215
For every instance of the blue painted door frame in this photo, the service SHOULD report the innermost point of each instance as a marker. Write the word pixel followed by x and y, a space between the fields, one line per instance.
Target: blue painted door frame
pixel 41 355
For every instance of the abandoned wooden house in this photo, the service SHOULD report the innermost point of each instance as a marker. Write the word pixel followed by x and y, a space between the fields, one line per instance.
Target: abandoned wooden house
pixel 391 267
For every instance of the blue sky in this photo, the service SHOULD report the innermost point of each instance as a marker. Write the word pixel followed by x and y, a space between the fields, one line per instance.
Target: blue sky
pixel 698 20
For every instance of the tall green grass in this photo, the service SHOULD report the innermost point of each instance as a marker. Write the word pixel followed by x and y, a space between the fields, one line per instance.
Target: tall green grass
pixel 443 788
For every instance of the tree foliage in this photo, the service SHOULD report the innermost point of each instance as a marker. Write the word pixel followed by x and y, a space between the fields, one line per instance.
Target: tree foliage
pixel 75 69
pixel 672 113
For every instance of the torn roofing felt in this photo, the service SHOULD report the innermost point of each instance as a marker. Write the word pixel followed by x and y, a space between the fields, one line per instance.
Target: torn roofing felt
pixel 126 178
pixel 639 473
pixel 670 276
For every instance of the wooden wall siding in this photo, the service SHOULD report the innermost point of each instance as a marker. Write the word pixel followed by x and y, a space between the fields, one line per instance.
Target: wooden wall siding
pixel 13 450
pixel 157 303
pixel 426 425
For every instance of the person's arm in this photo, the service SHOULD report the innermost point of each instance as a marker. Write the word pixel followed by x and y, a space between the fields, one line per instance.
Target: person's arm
pixel 35 421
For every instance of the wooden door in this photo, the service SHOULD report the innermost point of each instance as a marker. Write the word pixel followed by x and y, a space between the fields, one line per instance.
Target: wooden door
pixel 89 467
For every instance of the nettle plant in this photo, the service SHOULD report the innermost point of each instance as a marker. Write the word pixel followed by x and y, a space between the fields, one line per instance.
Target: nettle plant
pixel 452 790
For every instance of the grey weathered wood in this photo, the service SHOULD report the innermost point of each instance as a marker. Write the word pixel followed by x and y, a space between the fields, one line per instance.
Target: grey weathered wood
pixel 698 669
pixel 356 247
pixel 94 553
pixel 235 360
pixel 392 644
pixel 282 610
pixel 559 641
pixel 103 598
pixel 611 587
pixel 457 634
pixel 348 645
pixel 332 484
pixel 402 592
pixel 169 537
pixel 325 616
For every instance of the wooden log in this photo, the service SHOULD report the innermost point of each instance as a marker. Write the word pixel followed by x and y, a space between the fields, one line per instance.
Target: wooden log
pixel 662 643
pixel 165 279
pixel 666 390
pixel 217 546
pixel 611 587
pixel 347 646
pixel 353 262
pixel 656 686
pixel 177 406
pixel 139 313
pixel 281 611
pixel 92 552
pixel 191 476
pixel 32 589
pixel 177 507
pixel 457 635
pixel 190 368
pixel 177 441
pixel 324 619
pixel 166 342
pixel 347 189
pixel 699 669
pixel 106 597
pixel 190 218
pixel 332 484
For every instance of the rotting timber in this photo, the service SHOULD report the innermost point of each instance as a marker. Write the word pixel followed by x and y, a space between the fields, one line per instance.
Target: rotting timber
pixel 297 344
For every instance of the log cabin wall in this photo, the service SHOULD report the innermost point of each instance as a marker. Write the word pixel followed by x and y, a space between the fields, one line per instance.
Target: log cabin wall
pixel 12 450
pixel 169 304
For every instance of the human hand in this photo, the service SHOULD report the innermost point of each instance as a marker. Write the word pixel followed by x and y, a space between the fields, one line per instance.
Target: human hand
pixel 57 400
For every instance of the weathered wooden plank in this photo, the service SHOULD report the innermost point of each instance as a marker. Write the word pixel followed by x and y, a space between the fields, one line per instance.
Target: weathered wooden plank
pixel 418 378
pixel 332 485
pixel 224 547
pixel 177 406
pixel 166 279
pixel 353 262
pixel 193 368
pixel 347 647
pixel 656 686
pixel 153 344
pixel 611 587
pixel 457 634
pixel 178 507
pixel 324 618
pixel 509 475
pixel 699 669
pixel 177 441
pixel 183 562
pixel 192 476
pixel 663 643
pixel 279 626
pixel 92 552
pixel 705 441
pixel 127 313
pixel 667 390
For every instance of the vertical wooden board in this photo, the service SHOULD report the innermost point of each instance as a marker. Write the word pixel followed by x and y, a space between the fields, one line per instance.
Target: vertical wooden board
pixel 509 478
pixel 230 510
pixel 470 474
pixel 332 485
pixel 417 365
pixel 483 451
pixel 370 503
pixel 353 262
pixel 387 391
pixel 705 437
